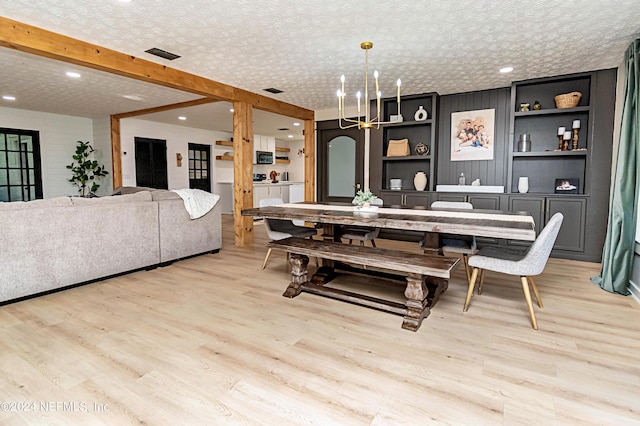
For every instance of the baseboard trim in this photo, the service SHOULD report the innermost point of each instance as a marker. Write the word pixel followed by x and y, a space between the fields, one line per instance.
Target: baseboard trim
pixel 635 291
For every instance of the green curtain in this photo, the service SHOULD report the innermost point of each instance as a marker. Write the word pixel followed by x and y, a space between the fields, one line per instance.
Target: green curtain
pixel 617 254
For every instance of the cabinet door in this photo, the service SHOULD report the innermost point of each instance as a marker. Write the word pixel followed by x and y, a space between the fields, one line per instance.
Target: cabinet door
pixel 532 205
pixel 392 198
pixel 451 197
pixel 260 193
pixel 484 201
pixel 571 235
pixel 417 199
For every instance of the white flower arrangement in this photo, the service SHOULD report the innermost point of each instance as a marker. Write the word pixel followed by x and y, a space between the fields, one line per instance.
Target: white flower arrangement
pixel 364 198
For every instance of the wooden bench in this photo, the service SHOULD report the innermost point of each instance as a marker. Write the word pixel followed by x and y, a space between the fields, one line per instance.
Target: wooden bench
pixel 416 268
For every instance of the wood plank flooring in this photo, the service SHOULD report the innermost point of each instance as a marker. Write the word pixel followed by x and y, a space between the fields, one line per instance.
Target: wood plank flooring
pixel 210 340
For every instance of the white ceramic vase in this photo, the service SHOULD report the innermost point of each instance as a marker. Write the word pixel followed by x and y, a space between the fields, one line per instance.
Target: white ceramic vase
pixel 523 184
pixel 420 181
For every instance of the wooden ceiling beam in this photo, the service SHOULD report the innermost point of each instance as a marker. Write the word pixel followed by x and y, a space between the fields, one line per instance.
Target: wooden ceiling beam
pixel 27 38
pixel 186 104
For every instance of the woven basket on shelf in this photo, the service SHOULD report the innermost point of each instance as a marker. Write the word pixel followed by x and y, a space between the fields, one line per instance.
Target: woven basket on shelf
pixel 568 100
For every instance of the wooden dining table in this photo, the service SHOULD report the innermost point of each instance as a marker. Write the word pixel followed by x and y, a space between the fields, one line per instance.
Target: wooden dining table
pixel 431 222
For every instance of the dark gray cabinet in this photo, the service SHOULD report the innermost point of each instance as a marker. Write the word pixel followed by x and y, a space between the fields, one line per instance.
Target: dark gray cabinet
pixel 571 237
pixel 406 198
pixel 583 231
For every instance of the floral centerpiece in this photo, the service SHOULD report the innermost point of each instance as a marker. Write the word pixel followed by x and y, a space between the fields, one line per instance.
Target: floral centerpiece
pixel 364 200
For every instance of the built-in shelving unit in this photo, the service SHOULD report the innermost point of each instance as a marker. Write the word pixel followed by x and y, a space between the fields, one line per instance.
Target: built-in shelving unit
pixel 546 162
pixel 417 132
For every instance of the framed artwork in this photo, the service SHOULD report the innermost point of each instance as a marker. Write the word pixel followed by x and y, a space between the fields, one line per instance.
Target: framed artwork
pixel 472 135
pixel 567 186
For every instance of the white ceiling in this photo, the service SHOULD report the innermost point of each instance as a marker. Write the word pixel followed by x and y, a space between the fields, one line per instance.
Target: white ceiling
pixel 302 48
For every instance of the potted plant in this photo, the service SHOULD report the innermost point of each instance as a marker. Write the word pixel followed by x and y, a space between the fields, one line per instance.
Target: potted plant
pixel 86 171
pixel 364 200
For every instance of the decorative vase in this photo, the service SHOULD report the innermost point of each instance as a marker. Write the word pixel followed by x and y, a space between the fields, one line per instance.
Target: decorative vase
pixel 420 181
pixel 523 184
pixel 421 114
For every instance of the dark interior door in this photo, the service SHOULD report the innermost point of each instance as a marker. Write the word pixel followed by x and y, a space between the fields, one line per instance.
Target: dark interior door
pixel 151 163
pixel 200 167
pixel 340 162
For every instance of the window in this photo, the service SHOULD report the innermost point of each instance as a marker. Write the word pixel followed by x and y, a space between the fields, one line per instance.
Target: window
pixel 20 172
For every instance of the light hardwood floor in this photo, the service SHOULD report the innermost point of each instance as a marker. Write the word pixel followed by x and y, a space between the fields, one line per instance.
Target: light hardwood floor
pixel 210 340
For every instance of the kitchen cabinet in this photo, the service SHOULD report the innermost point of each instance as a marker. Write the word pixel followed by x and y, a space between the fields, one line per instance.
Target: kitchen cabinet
pixel 264 143
pixel 263 191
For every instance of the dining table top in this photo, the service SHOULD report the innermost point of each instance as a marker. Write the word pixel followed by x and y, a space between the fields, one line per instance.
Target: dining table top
pixel 477 222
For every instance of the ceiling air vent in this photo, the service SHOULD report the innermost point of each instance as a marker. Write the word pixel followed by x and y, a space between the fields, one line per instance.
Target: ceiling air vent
pixel 284 129
pixel 273 90
pixel 163 53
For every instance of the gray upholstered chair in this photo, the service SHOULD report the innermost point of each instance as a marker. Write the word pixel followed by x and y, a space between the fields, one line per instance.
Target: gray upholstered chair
pixel 465 245
pixel 361 233
pixel 526 264
pixel 278 229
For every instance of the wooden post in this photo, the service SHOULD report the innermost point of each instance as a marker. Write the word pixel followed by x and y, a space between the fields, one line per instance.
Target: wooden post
pixel 242 172
pixel 309 161
pixel 116 158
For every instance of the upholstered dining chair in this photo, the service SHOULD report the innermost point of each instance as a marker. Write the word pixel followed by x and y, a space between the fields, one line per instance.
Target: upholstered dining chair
pixel 362 233
pixel 526 264
pixel 278 229
pixel 465 245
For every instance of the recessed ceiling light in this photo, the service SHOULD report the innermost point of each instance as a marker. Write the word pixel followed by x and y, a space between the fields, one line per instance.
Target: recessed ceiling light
pixel 506 69
pixel 231 110
pixel 132 97
pixel 296 123
pixel 9 98
pixel 290 136
pixel 182 117
pixel 73 74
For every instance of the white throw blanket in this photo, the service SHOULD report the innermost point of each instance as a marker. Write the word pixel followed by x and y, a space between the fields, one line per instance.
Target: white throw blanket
pixel 196 201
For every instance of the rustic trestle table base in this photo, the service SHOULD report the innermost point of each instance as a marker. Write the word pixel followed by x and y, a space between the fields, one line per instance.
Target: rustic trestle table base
pixel 426 274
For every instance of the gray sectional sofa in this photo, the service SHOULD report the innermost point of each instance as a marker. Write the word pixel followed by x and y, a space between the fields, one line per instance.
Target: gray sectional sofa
pixel 59 242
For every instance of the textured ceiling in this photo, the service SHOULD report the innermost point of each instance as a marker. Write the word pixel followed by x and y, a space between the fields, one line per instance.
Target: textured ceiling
pixel 302 47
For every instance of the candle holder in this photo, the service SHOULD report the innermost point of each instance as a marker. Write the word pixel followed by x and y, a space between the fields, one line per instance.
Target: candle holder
pixel 565 139
pixel 560 136
pixel 575 139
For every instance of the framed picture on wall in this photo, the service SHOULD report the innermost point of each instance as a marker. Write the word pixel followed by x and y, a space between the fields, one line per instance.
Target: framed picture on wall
pixel 567 186
pixel 472 135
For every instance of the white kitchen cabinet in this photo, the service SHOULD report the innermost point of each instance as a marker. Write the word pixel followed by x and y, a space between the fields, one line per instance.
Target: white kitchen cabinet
pixel 264 143
pixel 262 191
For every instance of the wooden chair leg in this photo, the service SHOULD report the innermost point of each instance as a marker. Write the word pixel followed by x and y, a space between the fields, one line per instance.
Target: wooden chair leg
pixel 527 296
pixel 373 243
pixel 472 284
pixel 266 258
pixel 465 260
pixel 481 281
pixel 535 291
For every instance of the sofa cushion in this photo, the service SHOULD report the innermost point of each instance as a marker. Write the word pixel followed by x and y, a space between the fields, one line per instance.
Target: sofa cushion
pixel 128 198
pixel 37 204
